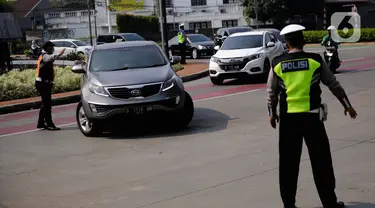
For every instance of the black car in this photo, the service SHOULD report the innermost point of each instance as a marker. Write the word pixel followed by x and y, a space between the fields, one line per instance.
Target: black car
pixel 276 32
pixel 198 45
pixel 223 33
pixel 120 37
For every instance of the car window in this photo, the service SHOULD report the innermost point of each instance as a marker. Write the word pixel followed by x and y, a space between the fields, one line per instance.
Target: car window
pixel 127 58
pixel 267 37
pixel 101 39
pixel 133 37
pixel 58 44
pixel 226 34
pixel 80 43
pixel 67 44
pixel 280 37
pixel 273 38
pixel 198 38
pixel 242 42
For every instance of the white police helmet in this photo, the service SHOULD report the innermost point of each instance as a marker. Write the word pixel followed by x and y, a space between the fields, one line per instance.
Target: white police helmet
pixel 182 25
pixel 331 27
pixel 291 29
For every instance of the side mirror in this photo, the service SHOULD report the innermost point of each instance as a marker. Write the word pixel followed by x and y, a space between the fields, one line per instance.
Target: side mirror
pixel 270 44
pixel 217 48
pixel 79 68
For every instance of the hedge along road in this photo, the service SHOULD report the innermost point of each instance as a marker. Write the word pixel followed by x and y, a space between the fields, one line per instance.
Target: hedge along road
pixel 356 58
pixel 226 158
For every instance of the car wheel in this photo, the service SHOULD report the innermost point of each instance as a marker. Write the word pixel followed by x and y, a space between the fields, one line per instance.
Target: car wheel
pixel 195 54
pixel 170 54
pixel 216 81
pixel 87 128
pixel 184 117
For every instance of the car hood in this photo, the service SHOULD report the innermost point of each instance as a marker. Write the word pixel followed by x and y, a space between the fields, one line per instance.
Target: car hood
pixel 205 43
pixel 238 52
pixel 131 76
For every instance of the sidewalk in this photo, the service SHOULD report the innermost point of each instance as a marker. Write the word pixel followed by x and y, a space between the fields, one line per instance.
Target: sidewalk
pixel 190 72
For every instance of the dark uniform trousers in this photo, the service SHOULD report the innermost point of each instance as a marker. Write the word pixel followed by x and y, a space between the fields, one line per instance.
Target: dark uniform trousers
pixel 182 47
pixel 293 128
pixel 45 91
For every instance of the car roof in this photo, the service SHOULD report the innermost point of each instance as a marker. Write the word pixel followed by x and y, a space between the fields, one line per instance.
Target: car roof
pixel 195 34
pixel 236 27
pixel 268 29
pixel 126 44
pixel 253 32
pixel 63 40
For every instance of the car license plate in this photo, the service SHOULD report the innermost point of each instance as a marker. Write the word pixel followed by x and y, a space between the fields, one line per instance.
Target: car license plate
pixel 232 68
pixel 139 110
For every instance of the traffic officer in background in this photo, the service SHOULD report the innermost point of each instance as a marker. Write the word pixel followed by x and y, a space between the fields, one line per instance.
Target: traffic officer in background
pixel 45 75
pixel 182 43
pixel 296 77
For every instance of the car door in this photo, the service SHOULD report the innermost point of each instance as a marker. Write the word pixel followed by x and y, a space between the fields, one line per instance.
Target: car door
pixel 58 47
pixel 272 52
pixel 69 47
pixel 278 44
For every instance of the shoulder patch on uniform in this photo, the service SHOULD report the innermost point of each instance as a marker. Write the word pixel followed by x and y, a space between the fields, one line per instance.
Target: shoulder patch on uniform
pixel 295 65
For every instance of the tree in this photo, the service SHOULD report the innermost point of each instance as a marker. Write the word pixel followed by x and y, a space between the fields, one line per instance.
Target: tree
pixel 281 10
pixel 5 6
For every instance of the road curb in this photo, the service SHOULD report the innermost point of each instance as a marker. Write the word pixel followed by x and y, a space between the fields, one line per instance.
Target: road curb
pixel 75 98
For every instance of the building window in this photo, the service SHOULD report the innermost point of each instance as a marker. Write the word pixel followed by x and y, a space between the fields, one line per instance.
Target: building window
pixel 198 2
pixel 172 27
pixel 231 1
pixel 230 23
pixel 168 3
pixel 199 25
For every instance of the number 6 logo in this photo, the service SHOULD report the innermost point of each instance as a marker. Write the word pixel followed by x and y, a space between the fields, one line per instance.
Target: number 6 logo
pixel 347 22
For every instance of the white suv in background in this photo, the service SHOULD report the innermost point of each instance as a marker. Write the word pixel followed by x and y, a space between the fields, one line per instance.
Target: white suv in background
pixel 244 54
pixel 71 45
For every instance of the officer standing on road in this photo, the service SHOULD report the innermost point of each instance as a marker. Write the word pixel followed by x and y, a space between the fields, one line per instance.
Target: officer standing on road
pixel 45 75
pixel 296 77
pixel 182 43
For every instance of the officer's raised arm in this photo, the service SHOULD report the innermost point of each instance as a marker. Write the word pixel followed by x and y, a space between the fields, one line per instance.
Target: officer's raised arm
pixel 273 94
pixel 329 79
pixel 51 57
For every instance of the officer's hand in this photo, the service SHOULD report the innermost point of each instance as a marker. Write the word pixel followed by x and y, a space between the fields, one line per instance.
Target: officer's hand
pixel 351 111
pixel 273 121
pixel 62 51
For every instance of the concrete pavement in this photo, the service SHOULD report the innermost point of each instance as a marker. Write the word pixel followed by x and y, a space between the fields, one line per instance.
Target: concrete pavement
pixel 226 158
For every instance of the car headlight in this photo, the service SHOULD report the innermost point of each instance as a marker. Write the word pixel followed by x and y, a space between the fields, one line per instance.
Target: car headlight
pixel 214 59
pixel 167 85
pixel 254 57
pixel 99 90
pixel 200 47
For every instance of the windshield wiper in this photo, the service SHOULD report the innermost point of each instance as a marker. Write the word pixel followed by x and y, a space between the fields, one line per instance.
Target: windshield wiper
pixel 125 68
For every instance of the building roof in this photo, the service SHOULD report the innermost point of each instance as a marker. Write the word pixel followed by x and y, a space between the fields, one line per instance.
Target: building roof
pixel 9 27
pixel 22 8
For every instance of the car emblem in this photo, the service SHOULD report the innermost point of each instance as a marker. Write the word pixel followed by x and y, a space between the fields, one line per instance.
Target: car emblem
pixel 232 60
pixel 135 92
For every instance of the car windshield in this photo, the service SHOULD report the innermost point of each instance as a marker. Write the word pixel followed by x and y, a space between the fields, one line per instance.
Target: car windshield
pixel 80 43
pixel 242 42
pixel 133 37
pixel 237 30
pixel 198 38
pixel 127 58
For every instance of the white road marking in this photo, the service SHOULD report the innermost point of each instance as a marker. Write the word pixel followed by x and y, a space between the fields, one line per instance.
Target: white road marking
pixel 340 49
pixel 354 59
pixel 69 124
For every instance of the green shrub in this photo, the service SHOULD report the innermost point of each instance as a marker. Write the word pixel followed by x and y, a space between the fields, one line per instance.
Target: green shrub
pixel 72 56
pixel 316 36
pixel 27 52
pixel 17 85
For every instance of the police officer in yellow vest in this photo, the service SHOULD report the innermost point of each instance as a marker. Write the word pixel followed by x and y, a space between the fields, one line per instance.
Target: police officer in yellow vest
pixel 182 43
pixel 293 82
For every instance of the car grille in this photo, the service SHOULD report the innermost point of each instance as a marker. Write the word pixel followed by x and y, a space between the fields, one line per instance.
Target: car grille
pixel 126 93
pixel 235 65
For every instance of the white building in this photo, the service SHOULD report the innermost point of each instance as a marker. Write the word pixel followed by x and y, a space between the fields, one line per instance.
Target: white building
pixel 195 14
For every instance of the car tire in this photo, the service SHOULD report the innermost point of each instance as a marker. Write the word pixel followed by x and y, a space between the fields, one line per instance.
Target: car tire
pixel 216 81
pixel 184 117
pixel 195 53
pixel 170 54
pixel 87 128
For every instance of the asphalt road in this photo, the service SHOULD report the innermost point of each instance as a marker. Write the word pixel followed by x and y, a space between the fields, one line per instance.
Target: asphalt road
pixel 226 158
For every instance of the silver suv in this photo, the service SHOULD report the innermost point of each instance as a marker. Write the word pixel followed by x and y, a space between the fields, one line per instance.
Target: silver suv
pixel 127 79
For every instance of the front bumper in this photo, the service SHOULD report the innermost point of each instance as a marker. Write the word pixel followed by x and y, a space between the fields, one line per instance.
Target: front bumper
pixel 99 108
pixel 236 70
